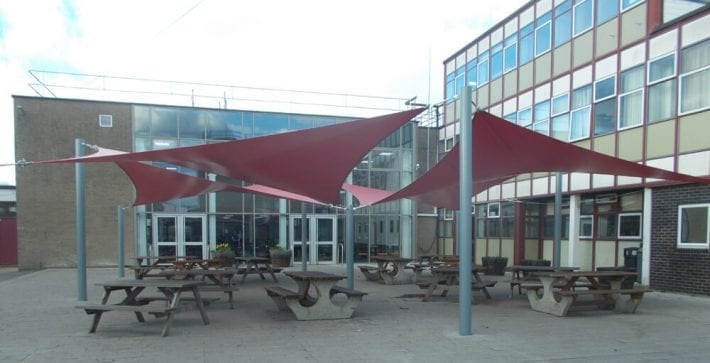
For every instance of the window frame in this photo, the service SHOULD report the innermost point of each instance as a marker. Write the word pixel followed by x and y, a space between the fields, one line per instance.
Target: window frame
pixel 630 6
pixel 661 80
pixel 530 111
pixel 622 95
pixel 510 42
pixel 491 214
pixel 589 217
pixel 483 58
pixel 613 93
pixel 574 18
pixel 683 76
pixel 548 24
pixel 686 245
pixel 640 231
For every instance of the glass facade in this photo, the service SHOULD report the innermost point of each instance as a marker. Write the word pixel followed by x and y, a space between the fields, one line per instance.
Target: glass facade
pixel 253 223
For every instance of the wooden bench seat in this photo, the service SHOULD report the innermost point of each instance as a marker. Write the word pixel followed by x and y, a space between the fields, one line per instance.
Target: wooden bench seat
pixel 349 292
pixel 158 310
pixel 623 300
pixel 243 270
pixel 372 273
pixel 279 295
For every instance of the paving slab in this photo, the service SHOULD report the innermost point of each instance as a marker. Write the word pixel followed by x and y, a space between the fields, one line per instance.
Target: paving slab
pixel 39 323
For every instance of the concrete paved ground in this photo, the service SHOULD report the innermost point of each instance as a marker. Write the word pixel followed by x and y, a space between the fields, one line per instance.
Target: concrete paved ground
pixel 38 323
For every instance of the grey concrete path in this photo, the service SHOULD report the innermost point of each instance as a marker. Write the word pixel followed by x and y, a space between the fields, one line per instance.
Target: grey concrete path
pixel 38 323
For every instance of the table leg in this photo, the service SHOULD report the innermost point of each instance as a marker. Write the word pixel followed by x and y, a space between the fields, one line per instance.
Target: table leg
pixel 547 303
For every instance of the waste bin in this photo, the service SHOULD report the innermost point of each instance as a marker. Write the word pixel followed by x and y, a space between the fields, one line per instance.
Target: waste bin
pixel 632 261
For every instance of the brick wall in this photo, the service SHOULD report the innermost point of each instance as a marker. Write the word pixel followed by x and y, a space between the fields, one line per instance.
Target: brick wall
pixel 672 268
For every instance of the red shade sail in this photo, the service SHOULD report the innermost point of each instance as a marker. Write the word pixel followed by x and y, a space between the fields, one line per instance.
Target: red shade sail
pixel 155 184
pixel 312 162
pixel 502 150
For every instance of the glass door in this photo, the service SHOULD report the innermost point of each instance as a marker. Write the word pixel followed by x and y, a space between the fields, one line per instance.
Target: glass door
pixel 320 235
pixel 180 235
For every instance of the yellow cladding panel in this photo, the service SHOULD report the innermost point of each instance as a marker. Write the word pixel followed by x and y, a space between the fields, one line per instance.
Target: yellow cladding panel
pixel 631 144
pixel 660 139
pixel 693 132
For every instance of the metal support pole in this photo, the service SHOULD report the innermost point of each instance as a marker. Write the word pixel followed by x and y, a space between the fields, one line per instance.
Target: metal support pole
pixel 465 195
pixel 80 221
pixel 304 238
pixel 121 241
pixel 349 247
pixel 349 234
pixel 558 222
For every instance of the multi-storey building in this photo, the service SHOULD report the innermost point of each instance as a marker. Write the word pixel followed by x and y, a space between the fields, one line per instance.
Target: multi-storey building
pixel 627 78
pixel 46 127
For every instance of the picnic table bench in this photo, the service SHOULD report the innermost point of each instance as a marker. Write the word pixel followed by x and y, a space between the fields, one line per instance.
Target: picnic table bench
pixel 559 301
pixel 448 276
pixel 217 280
pixel 319 306
pixel 172 289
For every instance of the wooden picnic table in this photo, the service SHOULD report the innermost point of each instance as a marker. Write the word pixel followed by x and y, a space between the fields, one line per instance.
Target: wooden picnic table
pixel 448 276
pixel 320 305
pixel 146 265
pixel 558 293
pixel 219 279
pixel 391 269
pixel 254 264
pixel 171 289
pixel 521 275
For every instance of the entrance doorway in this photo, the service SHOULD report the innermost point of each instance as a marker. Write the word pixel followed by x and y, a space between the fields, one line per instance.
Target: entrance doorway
pixel 180 235
pixel 321 232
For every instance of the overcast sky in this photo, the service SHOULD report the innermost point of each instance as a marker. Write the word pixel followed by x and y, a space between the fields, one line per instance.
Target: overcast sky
pixel 372 47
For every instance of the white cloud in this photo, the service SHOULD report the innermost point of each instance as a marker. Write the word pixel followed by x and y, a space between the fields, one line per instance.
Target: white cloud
pixel 373 47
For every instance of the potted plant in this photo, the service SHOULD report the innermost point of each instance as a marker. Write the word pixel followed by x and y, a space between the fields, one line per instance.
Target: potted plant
pixel 280 257
pixel 223 255
pixel 494 265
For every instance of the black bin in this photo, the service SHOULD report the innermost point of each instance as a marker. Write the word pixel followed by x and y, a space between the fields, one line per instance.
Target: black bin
pixel 631 257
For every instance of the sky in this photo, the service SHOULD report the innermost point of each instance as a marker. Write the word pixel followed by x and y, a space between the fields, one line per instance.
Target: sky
pixel 389 48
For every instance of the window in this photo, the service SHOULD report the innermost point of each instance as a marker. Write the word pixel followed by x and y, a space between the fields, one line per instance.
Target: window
pixel 563 23
pixel 586 227
pixel 482 69
pixel 512 117
pixel 105 120
pixel 559 127
pixel 695 78
pixel 582 16
pixel 459 82
pixel 542 34
pixel 525 117
pixel 560 104
pixel 604 89
pixel 628 4
pixel 662 88
pixel 450 78
pixel 493 210
pixel 606 10
pixel 448 144
pixel 507 220
pixel 527 42
pixel 581 111
pixel 510 57
pixel 448 214
pixel 630 226
pixel 542 117
pixel 471 70
pixel 496 61
pixel 606 226
pixel 693 226
pixel 605 117
pixel 631 98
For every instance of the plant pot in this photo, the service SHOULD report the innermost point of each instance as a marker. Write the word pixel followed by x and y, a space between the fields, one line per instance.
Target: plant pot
pixel 494 265
pixel 280 258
